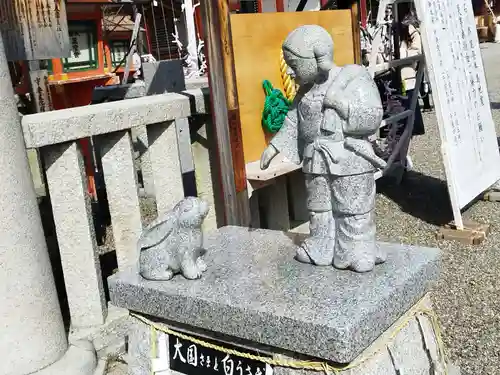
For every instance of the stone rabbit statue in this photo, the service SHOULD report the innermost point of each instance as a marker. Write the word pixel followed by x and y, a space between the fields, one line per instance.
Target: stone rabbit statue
pixel 173 243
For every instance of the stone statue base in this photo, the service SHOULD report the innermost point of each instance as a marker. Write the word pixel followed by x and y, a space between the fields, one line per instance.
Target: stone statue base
pixel 256 297
pixel 397 349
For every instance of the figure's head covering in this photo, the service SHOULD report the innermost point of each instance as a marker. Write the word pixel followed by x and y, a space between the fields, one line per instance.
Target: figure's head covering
pixel 311 41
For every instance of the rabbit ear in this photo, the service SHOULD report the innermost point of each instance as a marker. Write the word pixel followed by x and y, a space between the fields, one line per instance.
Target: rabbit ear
pixel 158 230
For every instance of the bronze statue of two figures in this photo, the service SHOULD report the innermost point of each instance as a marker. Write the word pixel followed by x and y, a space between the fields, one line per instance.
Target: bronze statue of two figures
pixel 326 130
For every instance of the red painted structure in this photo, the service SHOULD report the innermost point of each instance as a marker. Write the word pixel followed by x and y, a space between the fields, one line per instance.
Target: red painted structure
pixel 74 88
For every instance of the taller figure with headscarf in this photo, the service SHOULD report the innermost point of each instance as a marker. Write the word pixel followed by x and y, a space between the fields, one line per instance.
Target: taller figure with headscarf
pixel 334 112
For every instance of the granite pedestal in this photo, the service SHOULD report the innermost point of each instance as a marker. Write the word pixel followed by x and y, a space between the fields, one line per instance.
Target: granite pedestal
pixel 256 296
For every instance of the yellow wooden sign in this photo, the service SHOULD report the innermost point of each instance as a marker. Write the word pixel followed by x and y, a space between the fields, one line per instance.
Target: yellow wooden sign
pixel 34 29
pixel 257 40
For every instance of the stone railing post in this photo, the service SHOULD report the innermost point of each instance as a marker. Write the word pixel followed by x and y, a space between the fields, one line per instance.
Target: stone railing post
pixel 32 334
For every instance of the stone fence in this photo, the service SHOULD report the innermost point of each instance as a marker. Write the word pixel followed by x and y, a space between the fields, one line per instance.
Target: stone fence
pixel 175 140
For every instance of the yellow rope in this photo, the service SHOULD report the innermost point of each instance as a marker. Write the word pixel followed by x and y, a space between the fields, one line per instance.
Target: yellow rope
pixel 307 365
pixel 288 82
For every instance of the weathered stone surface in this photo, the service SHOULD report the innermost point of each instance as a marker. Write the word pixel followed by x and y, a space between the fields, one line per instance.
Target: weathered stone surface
pixel 139 357
pixel 109 339
pixel 76 237
pixel 31 326
pixel 121 188
pixel 403 348
pixel 163 153
pixel 164 76
pixel 255 290
pixel 273 200
pixel 206 172
pixel 196 83
pixel 53 127
pixel 79 359
pixel 32 335
pixel 119 92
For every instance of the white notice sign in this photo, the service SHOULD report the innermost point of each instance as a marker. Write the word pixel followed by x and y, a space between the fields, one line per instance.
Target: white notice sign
pixel 469 143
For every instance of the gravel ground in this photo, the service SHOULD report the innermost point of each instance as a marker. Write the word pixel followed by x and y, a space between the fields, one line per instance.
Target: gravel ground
pixel 466 297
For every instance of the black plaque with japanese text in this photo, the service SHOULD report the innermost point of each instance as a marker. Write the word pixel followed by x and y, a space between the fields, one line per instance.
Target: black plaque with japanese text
pixel 189 358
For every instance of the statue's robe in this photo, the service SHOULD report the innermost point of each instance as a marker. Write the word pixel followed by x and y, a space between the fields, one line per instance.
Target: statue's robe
pixel 327 128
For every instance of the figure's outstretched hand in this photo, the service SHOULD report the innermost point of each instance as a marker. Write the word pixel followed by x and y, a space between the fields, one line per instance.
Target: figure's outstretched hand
pixel 267 156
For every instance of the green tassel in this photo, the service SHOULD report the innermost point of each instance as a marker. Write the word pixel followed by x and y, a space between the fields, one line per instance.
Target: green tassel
pixel 276 107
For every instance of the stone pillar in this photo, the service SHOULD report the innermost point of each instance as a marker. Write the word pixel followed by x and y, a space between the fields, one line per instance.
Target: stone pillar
pixel 32 332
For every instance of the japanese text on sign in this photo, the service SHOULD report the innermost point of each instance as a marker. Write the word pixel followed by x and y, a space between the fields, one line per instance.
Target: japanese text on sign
pixel 459 88
pixel 34 30
pixel 189 358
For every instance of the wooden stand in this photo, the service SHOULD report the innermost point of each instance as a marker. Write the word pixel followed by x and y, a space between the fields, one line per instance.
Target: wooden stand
pixel 472 234
pixel 492 195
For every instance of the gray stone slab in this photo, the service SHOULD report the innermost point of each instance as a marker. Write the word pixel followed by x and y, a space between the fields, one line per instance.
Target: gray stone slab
pixel 273 201
pixel 76 238
pixel 163 152
pixel 118 92
pixel 139 357
pixel 109 339
pixel 31 330
pixel 164 76
pixel 42 129
pixel 196 83
pixel 184 145
pixel 79 359
pixel 206 173
pixel 123 198
pixel 141 144
pixel 36 171
pixel 408 353
pixel 255 290
pixel 401 349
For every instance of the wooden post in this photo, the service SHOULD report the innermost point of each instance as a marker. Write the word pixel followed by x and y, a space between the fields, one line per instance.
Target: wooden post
pixel 356 34
pixel 259 6
pixel 139 44
pixel 280 6
pixel 133 47
pixel 363 12
pixel 356 37
pixel 225 110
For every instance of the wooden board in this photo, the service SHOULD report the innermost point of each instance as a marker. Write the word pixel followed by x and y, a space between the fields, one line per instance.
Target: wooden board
pixel 34 30
pixel 472 234
pixel 257 40
pixel 41 89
